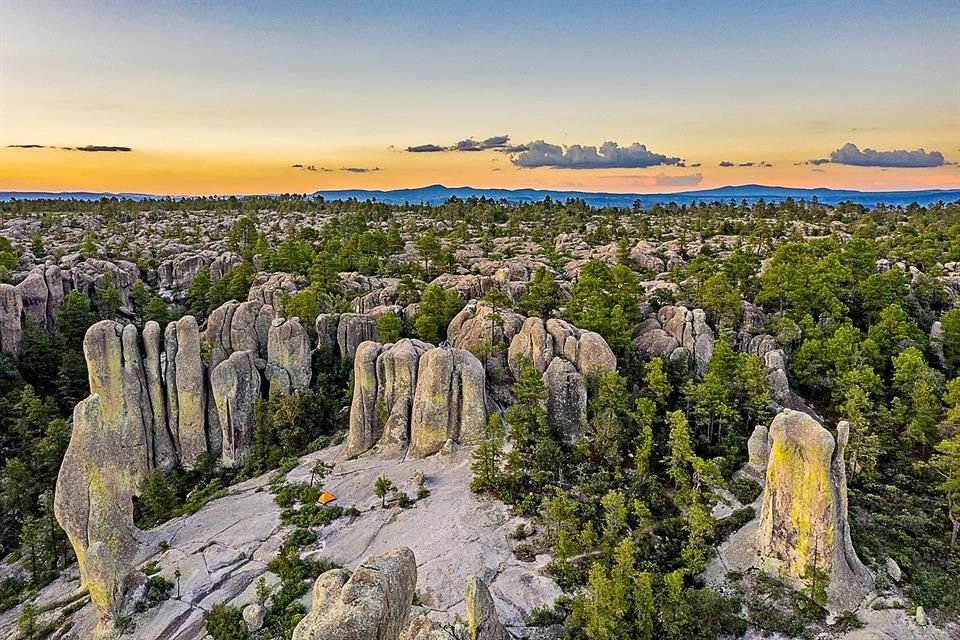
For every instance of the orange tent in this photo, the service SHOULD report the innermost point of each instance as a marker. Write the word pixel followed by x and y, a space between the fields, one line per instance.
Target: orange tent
pixel 326 497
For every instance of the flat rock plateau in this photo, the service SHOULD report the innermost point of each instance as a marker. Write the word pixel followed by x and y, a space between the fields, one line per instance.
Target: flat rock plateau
pixel 223 549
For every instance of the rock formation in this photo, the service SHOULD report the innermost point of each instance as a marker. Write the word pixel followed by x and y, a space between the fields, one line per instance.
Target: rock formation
pixel 803 519
pixel 482 621
pixel 271 288
pixel 758 452
pixel 752 339
pixel 238 326
pixel 353 329
pixel 397 370
pixel 11 328
pixel 165 451
pixel 365 427
pixel 450 400
pixel 676 333
pixel 289 356
pixel 565 355
pixel 187 392
pixel 375 603
pixel 486 332
pixel 566 397
pixel 372 603
pixel 108 457
pixel 235 383
pixel 411 393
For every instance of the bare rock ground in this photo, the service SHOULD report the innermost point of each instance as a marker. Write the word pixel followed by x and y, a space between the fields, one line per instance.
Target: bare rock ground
pixel 224 548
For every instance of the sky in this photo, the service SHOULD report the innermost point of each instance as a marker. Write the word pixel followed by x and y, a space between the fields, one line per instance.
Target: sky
pixel 210 97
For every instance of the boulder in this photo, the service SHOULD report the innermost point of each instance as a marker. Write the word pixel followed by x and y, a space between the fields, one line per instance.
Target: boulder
pixel 585 349
pixel 326 327
pixel 676 333
pixel 352 329
pixel 11 329
pixel 373 603
pixel 486 332
pixel 272 288
pixel 566 397
pixel 238 326
pixel 235 386
pixel 893 570
pixel 450 400
pixel 253 615
pixel 803 518
pixel 758 451
pixel 531 344
pixel 33 295
pixel 289 356
pixel 482 621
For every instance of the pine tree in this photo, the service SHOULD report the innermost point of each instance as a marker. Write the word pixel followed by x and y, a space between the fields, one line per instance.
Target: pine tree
pixel 488 456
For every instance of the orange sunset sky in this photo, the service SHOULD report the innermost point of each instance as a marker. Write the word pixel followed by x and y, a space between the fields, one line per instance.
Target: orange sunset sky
pixel 237 97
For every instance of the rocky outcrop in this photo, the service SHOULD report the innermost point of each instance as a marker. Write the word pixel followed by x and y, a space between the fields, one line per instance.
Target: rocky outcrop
pixel 108 457
pixel 566 397
pixel 175 276
pixel 803 518
pixel 397 370
pixel 353 329
pixel 450 400
pixel 533 345
pixel 271 288
pixel 238 326
pixel 386 295
pixel 88 276
pixel 326 326
pixel 365 427
pixel 11 327
pixel 468 287
pixel 235 384
pixel 372 603
pixel 676 333
pixel 41 293
pixel 486 332
pixel 412 394
pixel 758 452
pixel 289 356
pixel 566 356
pixel 752 339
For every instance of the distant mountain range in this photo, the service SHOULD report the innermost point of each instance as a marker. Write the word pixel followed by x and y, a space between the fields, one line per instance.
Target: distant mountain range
pixel 437 194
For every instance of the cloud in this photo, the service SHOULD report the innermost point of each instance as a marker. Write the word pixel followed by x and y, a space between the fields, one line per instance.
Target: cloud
pixel 849 154
pixel 609 155
pixel 426 148
pixel 727 163
pixel 498 143
pixel 694 165
pixel 514 148
pixel 359 169
pixel 495 142
pixel 96 148
pixel 468 145
pixel 297 166
pixel 91 148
